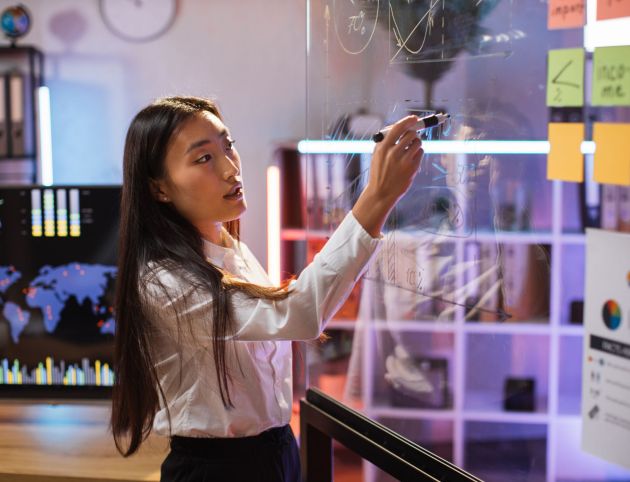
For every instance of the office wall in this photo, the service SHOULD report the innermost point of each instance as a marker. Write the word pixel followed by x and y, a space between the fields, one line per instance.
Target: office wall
pixel 249 54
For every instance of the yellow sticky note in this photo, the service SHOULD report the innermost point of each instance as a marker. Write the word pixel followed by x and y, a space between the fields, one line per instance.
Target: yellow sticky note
pixel 611 76
pixel 565 161
pixel 565 78
pixel 566 14
pixel 612 153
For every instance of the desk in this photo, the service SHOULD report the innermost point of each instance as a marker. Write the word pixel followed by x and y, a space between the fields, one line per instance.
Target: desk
pixel 69 443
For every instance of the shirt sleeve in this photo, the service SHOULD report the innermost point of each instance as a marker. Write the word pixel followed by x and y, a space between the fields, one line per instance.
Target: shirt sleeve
pixel 314 297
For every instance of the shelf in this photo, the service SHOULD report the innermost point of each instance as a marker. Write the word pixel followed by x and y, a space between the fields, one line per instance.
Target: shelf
pixel 571 330
pixel 411 413
pixel 573 238
pixel 415 326
pixel 491 328
pixel 341 325
pixel 23 67
pixel 516 237
pixel 470 415
pixel 481 355
pixel 570 376
pixel 505 450
pixel 488 405
pixel 571 407
pixel 508 328
pixel 510 417
pixel 303 234
pixel 506 237
pixel 569 417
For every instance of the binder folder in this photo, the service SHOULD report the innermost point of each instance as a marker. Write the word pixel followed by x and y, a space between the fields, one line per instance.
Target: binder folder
pixel 4 136
pixel 16 115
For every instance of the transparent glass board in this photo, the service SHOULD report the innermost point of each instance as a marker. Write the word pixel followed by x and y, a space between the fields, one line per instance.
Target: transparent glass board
pixel 464 333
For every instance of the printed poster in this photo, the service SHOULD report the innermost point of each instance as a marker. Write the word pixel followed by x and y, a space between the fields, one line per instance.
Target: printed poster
pixel 606 363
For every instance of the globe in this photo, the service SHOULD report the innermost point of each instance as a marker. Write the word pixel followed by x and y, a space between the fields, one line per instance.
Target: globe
pixel 15 21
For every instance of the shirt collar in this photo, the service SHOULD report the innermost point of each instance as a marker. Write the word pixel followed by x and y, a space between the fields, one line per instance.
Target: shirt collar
pixel 217 254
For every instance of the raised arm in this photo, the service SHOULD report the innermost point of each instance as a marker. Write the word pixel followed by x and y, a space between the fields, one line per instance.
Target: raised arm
pixel 394 165
pixel 324 284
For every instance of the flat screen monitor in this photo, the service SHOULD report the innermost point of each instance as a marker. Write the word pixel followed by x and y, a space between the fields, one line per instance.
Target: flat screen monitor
pixel 58 249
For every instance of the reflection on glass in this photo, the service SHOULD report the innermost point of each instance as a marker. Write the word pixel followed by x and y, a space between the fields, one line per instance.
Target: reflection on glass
pixel 460 324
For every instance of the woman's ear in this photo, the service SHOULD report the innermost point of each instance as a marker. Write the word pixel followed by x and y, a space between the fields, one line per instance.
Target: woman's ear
pixel 158 191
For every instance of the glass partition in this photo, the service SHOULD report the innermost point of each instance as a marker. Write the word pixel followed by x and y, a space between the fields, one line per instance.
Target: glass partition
pixel 462 334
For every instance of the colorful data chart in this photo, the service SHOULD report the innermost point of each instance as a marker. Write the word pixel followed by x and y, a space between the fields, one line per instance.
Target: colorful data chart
pixel 565 78
pixel 50 373
pixel 566 14
pixel 50 215
pixel 611 313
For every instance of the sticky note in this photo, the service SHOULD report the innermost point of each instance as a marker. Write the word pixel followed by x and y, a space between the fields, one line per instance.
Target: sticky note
pixel 612 153
pixel 612 9
pixel 611 76
pixel 565 161
pixel 566 14
pixel 565 78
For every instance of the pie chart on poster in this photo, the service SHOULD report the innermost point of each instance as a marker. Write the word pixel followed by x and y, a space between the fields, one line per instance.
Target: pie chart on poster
pixel 611 314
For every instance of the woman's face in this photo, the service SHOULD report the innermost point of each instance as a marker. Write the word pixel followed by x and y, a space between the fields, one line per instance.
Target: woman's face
pixel 203 173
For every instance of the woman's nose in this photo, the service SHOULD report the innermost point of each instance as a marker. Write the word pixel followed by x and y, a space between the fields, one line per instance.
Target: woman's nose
pixel 232 168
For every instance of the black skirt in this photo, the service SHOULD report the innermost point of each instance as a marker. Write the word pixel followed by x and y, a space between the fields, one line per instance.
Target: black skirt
pixel 271 456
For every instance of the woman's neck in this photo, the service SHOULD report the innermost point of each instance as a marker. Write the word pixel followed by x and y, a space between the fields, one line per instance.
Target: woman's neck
pixel 215 233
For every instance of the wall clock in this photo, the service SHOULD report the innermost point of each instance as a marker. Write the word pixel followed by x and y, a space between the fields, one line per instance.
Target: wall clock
pixel 138 20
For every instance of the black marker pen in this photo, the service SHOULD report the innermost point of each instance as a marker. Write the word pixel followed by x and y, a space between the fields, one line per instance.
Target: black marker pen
pixel 423 123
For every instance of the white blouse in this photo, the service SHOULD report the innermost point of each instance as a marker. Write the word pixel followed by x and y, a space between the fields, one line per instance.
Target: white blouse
pixel 259 355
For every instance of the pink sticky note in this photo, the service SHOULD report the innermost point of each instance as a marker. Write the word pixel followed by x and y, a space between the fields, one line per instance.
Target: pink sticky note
pixel 612 9
pixel 566 14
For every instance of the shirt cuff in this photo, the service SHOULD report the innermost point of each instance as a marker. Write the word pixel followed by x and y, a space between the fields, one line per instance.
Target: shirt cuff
pixel 350 246
pixel 367 236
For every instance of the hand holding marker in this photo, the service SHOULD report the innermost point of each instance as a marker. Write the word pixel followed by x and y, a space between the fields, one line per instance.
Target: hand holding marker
pixel 423 123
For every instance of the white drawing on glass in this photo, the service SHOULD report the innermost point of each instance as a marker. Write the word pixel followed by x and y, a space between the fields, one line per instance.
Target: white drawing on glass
pixel 428 19
pixel 424 31
pixel 355 23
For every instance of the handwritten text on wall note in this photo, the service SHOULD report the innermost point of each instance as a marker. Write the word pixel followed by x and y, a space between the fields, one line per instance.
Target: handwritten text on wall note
pixel 566 14
pixel 612 9
pixel 565 78
pixel 611 76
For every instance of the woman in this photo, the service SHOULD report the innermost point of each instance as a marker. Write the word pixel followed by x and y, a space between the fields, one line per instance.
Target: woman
pixel 203 349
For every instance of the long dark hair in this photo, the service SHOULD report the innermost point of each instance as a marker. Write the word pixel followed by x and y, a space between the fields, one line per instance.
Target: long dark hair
pixel 152 231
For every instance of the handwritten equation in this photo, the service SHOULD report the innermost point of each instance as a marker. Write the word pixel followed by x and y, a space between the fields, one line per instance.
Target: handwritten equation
pixel 419 30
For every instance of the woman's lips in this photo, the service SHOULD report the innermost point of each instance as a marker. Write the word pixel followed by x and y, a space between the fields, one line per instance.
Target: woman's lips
pixel 235 194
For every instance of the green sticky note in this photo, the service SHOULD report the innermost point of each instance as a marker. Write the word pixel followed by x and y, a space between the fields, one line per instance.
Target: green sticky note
pixel 565 78
pixel 611 76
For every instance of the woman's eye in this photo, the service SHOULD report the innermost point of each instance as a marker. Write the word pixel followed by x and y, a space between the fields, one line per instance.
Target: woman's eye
pixel 230 144
pixel 204 158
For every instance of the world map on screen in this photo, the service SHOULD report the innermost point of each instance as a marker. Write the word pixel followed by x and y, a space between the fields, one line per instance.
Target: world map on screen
pixel 50 291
